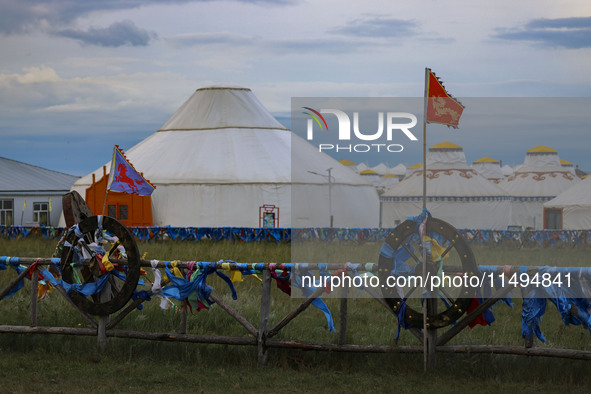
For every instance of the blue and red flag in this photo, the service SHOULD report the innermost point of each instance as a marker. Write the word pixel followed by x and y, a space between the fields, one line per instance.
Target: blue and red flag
pixel 123 177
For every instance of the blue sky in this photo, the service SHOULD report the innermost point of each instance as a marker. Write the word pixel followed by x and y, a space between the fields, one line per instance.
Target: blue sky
pixel 77 77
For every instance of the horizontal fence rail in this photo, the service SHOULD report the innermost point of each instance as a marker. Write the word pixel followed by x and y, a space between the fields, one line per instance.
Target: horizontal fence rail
pixel 263 335
pixel 527 238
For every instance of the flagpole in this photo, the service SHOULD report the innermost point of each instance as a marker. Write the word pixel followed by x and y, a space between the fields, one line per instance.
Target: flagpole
pixel 111 173
pixel 424 256
pixel 105 203
pixel 425 98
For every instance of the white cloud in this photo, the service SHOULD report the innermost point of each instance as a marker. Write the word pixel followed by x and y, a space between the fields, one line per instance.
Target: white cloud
pixel 39 95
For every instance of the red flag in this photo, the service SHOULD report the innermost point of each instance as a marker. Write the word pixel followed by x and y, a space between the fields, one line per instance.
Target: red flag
pixel 123 177
pixel 441 106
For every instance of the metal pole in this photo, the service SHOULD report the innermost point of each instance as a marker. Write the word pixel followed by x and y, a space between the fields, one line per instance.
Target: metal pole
pixel 425 99
pixel 330 182
pixel 330 196
pixel 426 348
pixel 23 211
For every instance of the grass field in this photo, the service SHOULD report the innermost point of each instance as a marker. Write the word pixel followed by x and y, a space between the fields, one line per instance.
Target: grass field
pixel 40 363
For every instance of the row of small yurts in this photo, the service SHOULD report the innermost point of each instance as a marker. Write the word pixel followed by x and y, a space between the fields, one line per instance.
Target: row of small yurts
pixel 223 160
pixel 463 196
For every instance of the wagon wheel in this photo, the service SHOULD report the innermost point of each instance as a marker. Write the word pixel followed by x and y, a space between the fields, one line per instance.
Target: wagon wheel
pixel 402 255
pixel 78 268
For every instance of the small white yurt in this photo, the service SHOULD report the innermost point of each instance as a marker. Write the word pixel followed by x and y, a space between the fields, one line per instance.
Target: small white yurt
pixel 412 168
pixel 507 170
pixel 222 156
pixel 386 182
pixel 489 168
pixel 539 179
pixel 571 209
pixel 568 166
pixel 349 164
pixel 371 176
pixel 399 170
pixel 456 193
pixel 380 169
pixel 362 167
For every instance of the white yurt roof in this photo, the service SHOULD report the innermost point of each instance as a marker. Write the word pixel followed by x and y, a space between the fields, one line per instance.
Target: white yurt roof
pixel 448 175
pixel 412 168
pixel 380 169
pixel 575 204
pixel 488 168
pixel 386 181
pixel 350 165
pixel 398 170
pixel 507 170
pixel 568 165
pixel 541 175
pixel 223 149
pixel 362 167
pixel 578 195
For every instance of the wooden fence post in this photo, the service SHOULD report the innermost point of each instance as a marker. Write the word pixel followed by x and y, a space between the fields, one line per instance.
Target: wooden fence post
pixel 344 312
pixel 34 290
pixel 431 305
pixel 264 317
pixel 183 323
pixel 102 333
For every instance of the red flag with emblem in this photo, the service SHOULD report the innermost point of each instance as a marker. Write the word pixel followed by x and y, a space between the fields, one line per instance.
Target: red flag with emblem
pixel 123 177
pixel 441 106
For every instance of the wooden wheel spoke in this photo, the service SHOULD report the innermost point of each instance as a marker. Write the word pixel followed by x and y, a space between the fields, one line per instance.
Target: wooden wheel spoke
pixel 446 251
pixel 447 295
pixel 411 253
pixel 407 295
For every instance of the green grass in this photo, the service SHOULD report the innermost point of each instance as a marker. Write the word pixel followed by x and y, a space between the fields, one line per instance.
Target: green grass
pixel 69 364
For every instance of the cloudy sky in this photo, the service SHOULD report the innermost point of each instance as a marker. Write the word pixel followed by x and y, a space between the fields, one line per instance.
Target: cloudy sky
pixel 77 77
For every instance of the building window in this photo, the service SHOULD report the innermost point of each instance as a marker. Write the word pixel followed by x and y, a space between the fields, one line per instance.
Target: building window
pixel 553 219
pixel 41 213
pixel 123 212
pixel 6 212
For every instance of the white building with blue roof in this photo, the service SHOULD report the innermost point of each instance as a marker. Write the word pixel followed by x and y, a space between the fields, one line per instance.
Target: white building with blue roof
pixel 31 195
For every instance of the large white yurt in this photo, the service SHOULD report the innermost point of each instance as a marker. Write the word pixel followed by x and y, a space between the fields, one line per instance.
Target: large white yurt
pixel 571 209
pixel 222 156
pixel 456 193
pixel 489 168
pixel 539 179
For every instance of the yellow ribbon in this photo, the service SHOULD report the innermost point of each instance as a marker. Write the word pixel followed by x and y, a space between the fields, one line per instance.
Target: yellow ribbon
pixel 175 270
pixel 235 275
pixel 108 265
pixel 436 249
pixel 42 290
